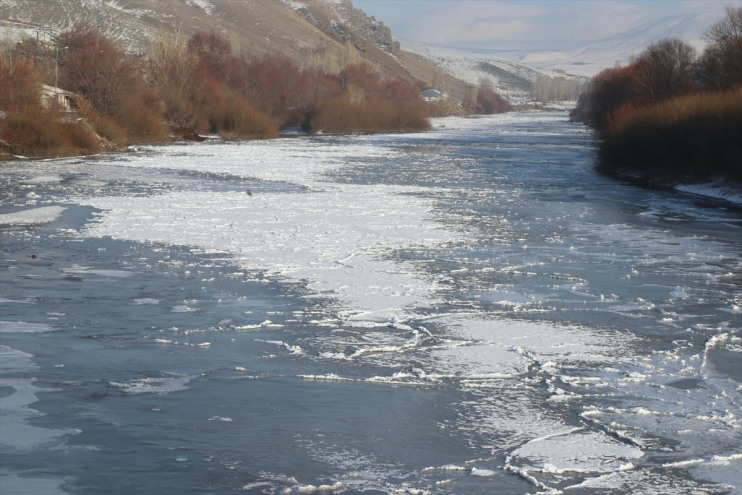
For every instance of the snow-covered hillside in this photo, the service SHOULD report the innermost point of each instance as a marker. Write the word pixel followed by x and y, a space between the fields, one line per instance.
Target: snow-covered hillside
pixel 512 72
pixel 591 58
pixel 512 79
pixel 320 31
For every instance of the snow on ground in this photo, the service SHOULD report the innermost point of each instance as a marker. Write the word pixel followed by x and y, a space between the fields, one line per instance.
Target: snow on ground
pixel 204 5
pixel 510 78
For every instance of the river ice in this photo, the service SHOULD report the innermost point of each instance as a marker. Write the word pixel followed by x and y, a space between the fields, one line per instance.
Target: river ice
pixel 468 310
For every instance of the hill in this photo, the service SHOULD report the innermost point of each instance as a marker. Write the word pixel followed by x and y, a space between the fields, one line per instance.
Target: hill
pixel 325 32
pixel 145 71
pixel 592 57
pixel 511 79
pixel 513 72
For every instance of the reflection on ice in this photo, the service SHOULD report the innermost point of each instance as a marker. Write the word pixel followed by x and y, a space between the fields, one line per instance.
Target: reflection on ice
pixel 19 485
pixel 16 432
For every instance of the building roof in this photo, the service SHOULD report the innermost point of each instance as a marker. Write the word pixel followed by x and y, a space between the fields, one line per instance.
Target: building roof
pixel 431 93
pixel 54 90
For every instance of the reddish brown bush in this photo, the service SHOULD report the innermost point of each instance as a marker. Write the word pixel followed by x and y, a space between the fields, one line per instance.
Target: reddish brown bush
pixel 173 71
pixel 489 102
pixel 340 116
pixel 236 118
pixel 280 89
pixel 112 82
pixel 26 127
pixel 43 134
pixel 692 137
pixel 201 86
pixel 611 89
pixel 213 53
pixel 21 85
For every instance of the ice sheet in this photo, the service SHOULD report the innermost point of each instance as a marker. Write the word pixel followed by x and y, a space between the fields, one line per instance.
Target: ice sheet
pixel 24 327
pixel 40 215
pixel 159 385
pixel 335 239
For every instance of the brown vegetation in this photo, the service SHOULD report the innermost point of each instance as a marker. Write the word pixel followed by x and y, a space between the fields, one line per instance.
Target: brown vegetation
pixel 488 102
pixel 199 85
pixel 670 117
pixel 26 127
pixel 684 139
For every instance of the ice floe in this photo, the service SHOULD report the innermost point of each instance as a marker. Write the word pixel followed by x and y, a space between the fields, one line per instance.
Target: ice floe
pixel 40 215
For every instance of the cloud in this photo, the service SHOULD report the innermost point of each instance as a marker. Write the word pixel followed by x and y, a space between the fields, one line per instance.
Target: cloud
pixel 471 22
pixel 525 24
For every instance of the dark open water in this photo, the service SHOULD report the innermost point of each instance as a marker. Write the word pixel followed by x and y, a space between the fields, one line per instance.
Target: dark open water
pixel 470 310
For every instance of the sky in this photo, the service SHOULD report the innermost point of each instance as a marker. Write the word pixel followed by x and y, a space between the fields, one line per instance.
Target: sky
pixel 525 24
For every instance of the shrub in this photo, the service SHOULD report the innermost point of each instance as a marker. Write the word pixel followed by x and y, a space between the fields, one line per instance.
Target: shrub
pixel 340 115
pixel 41 134
pixel 172 70
pixel 104 125
pixel 20 81
pixel 140 113
pixel 238 119
pixel 692 137
pixel 489 102
pixel 611 89
pixel 79 140
pixel 214 54
pixel 114 85
pixel 279 89
pixel 27 127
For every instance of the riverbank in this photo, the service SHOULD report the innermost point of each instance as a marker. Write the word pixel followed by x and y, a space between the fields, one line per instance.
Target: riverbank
pixel 719 189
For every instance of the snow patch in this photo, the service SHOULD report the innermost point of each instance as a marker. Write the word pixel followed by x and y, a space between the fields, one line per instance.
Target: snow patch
pixel 41 215
pixel 204 5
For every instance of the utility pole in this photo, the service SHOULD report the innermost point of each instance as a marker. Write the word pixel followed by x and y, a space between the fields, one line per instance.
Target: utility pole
pixel 56 73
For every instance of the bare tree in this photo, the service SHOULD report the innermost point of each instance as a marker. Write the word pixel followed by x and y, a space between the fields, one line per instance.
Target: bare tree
pixel 664 69
pixel 547 88
pixel 93 66
pixel 438 78
pixel 728 31
pixel 720 66
pixel 172 69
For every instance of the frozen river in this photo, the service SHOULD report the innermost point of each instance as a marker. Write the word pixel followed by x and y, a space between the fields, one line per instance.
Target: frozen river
pixel 470 310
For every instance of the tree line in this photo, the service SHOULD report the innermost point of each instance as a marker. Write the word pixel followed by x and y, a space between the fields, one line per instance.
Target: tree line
pixel 189 87
pixel 547 88
pixel 670 115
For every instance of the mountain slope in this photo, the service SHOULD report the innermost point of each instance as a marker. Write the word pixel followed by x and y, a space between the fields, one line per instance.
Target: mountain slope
pixel 307 31
pixel 513 72
pixel 590 58
pixel 511 79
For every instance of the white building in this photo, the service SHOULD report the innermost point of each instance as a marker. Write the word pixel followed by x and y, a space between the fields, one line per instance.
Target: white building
pixel 52 96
